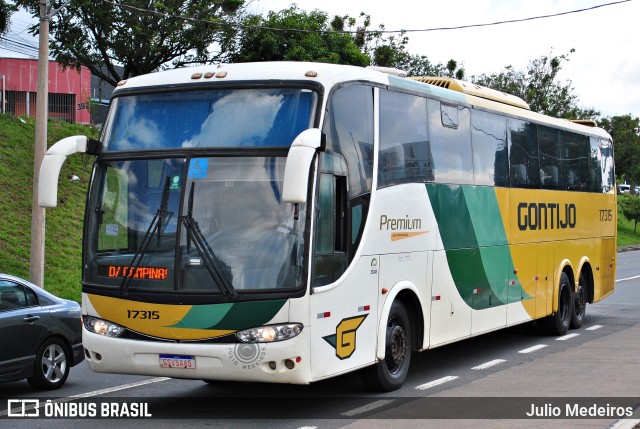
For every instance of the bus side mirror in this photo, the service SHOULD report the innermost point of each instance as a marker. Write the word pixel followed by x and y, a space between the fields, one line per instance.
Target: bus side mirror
pixel 51 165
pixel 296 170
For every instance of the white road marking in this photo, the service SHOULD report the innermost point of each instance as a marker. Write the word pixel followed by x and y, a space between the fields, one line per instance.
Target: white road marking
pixel 593 328
pixel 628 278
pixel 567 337
pixel 94 393
pixel 625 424
pixel 489 364
pixel 533 349
pixel 368 407
pixel 117 388
pixel 436 382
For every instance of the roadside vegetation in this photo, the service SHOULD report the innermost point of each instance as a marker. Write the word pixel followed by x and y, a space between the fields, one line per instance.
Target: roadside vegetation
pixel 63 252
pixel 628 218
pixel 63 224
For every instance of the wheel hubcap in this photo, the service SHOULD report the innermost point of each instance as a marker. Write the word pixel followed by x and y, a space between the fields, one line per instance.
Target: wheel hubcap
pixel 396 346
pixel 54 363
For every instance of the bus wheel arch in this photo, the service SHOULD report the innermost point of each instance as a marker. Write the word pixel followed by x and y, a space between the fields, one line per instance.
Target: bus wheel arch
pixel 587 272
pixel 399 328
pixel 406 293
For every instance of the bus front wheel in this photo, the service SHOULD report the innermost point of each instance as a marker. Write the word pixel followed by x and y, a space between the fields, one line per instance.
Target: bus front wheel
pixel 389 374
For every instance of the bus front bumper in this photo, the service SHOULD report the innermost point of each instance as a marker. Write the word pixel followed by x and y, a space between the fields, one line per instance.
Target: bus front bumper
pixel 286 361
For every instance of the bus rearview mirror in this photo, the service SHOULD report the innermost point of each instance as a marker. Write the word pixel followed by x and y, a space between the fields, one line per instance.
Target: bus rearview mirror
pixel 296 170
pixel 51 165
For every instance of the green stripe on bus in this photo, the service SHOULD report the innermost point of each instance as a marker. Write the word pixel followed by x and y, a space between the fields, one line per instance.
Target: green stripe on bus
pixel 248 314
pixel 232 317
pixel 203 316
pixel 473 235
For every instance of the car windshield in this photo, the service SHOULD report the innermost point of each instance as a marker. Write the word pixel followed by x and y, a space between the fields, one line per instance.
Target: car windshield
pixel 207 224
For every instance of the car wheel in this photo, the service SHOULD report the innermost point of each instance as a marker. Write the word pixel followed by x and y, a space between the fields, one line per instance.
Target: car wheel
pixel 52 365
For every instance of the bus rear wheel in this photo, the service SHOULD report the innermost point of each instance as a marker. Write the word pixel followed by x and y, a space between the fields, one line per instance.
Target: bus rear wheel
pixel 558 323
pixel 389 374
pixel 579 304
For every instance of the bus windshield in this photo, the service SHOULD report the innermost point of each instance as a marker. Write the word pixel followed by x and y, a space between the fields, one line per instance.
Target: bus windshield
pixel 198 225
pixel 257 117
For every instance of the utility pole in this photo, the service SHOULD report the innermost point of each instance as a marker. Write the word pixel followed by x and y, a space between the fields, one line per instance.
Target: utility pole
pixel 36 267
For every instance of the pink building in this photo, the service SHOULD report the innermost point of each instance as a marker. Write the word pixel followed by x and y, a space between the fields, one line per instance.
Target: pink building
pixel 69 90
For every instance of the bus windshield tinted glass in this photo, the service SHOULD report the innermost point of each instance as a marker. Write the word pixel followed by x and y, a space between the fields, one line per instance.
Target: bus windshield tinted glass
pixel 199 225
pixel 264 117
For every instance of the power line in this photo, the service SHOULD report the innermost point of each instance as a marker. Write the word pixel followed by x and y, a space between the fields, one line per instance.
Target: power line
pixel 460 27
pixel 510 21
pixel 19 47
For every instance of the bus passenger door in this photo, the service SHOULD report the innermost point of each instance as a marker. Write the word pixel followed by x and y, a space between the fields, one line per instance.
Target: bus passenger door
pixel 343 303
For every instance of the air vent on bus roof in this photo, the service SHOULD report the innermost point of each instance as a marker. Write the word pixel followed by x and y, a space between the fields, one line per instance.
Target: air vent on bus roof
pixel 473 89
pixel 585 122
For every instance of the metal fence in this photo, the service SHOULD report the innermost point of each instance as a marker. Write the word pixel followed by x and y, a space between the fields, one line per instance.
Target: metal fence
pixel 61 106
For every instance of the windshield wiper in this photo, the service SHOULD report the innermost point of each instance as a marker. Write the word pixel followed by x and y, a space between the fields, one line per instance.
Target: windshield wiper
pixel 154 227
pixel 211 262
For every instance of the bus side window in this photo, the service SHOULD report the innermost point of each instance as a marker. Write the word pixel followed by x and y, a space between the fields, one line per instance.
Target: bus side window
pixel 349 130
pixel 551 171
pixel 450 137
pixel 524 162
pixel 600 166
pixel 576 159
pixel 405 151
pixel 489 141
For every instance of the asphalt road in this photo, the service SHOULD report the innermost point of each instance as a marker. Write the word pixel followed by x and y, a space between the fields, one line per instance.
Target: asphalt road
pixel 508 369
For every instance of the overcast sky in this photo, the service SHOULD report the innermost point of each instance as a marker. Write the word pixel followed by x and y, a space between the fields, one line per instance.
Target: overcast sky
pixel 605 69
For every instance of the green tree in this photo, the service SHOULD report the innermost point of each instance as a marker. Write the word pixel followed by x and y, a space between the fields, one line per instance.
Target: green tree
pixel 630 208
pixel 625 133
pixel 295 35
pixel 539 86
pixel 419 65
pixel 141 36
pixel 6 9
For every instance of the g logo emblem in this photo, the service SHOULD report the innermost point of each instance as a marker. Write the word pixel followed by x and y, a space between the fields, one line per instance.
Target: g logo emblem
pixel 344 340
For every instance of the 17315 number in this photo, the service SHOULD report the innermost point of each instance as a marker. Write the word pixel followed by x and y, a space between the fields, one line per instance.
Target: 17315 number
pixel 143 314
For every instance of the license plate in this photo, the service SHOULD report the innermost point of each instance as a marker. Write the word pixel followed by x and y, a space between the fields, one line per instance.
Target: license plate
pixel 177 361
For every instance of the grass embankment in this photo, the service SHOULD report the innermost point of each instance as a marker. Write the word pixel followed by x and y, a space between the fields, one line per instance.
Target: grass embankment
pixel 626 234
pixel 64 224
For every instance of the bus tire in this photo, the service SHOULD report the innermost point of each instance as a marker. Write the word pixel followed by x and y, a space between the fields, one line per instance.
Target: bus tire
pixel 558 323
pixel 579 304
pixel 389 374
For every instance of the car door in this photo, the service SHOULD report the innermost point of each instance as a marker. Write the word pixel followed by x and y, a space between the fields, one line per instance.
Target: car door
pixel 22 327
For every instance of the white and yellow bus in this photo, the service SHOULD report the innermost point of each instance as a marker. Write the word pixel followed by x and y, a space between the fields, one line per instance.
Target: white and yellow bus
pixel 290 222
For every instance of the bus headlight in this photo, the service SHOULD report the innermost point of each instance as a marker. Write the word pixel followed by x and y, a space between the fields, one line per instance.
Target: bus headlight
pixel 102 327
pixel 269 333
